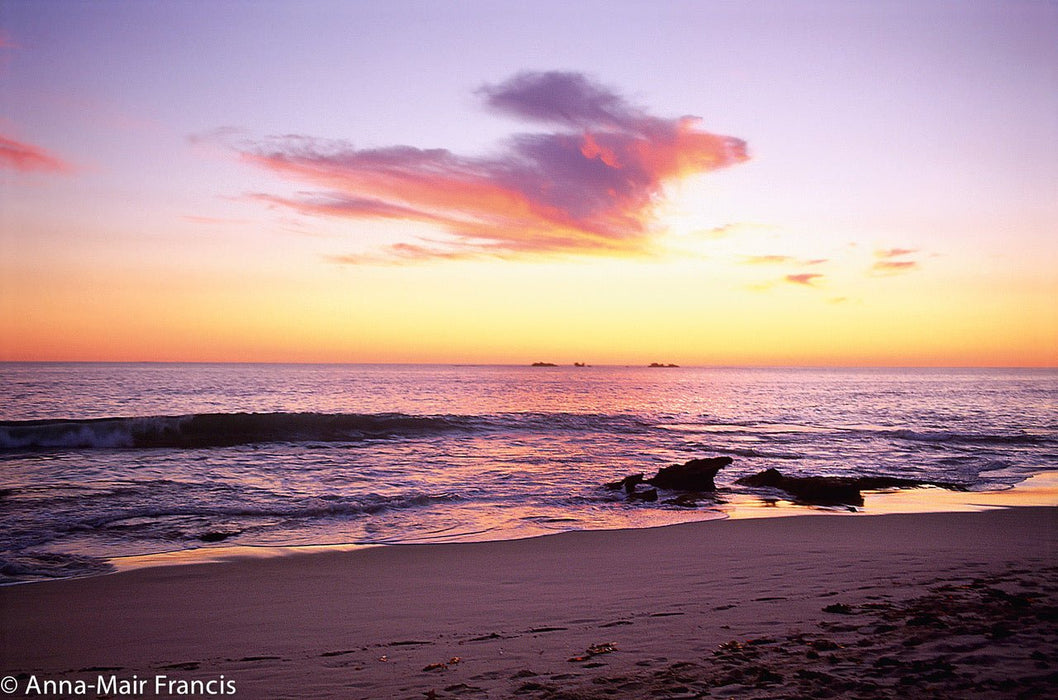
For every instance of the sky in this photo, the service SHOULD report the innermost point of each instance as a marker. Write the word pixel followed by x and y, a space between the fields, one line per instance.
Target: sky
pixel 700 183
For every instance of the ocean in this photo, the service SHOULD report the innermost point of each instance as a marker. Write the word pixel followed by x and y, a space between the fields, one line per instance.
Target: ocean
pixel 100 462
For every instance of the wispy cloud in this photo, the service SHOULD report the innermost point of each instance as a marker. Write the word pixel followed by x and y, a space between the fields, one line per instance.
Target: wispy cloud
pixel 212 220
pixel 25 157
pixel 781 260
pixel 893 266
pixel 717 232
pixel 894 253
pixel 893 261
pixel 732 229
pixel 400 253
pixel 589 185
pixel 767 259
pixel 806 279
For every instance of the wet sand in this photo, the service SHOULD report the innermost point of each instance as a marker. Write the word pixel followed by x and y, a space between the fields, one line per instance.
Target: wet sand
pixel 911 605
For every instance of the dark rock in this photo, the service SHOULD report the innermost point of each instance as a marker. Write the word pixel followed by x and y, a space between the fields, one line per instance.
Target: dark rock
pixel 820 490
pixel 628 483
pixel 544 364
pixel 684 500
pixel 832 490
pixel 695 475
pixel 216 536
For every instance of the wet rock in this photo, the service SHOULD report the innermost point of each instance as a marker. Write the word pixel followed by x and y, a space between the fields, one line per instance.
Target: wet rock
pixel 684 500
pixel 649 495
pixel 819 490
pixel 833 490
pixel 628 483
pixel 695 475
pixel 216 536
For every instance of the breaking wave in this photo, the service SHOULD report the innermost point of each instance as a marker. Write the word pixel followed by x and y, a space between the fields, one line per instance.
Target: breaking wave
pixel 944 436
pixel 218 430
pixel 231 429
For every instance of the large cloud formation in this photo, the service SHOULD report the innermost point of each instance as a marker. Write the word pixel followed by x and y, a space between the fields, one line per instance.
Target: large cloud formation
pixel 589 184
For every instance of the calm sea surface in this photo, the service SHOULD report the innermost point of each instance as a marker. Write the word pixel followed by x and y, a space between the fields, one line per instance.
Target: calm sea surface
pixel 109 460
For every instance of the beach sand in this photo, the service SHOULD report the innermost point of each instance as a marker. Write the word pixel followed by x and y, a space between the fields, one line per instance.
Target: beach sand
pixel 913 605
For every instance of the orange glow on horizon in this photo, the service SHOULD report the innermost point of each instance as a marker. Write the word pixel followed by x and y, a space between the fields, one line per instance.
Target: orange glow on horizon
pixel 511 313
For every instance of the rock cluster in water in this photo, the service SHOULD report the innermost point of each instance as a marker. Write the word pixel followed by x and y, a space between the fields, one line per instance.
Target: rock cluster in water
pixel 697 476
pixel 832 490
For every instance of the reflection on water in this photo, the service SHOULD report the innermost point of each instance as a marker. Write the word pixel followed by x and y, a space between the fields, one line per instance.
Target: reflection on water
pixel 1038 490
pixel 353 455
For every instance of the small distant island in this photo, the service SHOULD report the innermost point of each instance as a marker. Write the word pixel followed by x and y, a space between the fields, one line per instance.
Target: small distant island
pixel 658 364
pixel 552 364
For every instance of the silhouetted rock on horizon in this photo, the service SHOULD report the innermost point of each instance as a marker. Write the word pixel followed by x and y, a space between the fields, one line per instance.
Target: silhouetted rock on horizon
pixel 833 490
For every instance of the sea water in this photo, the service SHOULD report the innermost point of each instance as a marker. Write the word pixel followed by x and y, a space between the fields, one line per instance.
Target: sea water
pixel 99 461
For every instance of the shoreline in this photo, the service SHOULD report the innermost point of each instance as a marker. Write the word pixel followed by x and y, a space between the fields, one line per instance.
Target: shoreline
pixel 571 614
pixel 1038 490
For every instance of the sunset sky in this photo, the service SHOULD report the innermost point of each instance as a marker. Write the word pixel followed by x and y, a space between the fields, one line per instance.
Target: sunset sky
pixel 734 183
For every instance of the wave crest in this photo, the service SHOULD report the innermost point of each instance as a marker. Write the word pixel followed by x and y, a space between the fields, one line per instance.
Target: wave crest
pixel 217 430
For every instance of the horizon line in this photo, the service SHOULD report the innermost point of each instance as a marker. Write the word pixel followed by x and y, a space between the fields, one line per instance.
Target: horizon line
pixel 522 364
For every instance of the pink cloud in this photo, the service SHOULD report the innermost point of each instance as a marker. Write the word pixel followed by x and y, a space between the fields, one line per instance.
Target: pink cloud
pixel 887 264
pixel 781 260
pixel 588 186
pixel 894 266
pixel 24 157
pixel 212 220
pixel 767 259
pixel 894 253
pixel 804 278
pixel 400 253
pixel 717 231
